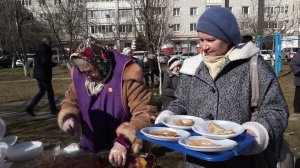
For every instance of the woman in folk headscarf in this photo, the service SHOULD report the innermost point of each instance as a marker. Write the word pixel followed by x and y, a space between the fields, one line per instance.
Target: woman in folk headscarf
pixel 108 99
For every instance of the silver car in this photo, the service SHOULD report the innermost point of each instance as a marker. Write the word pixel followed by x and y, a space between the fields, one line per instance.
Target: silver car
pixel 266 54
pixel 288 53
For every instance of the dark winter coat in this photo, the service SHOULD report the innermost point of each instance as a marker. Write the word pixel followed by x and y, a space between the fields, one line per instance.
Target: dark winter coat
pixel 295 66
pixel 169 86
pixel 228 97
pixel 43 63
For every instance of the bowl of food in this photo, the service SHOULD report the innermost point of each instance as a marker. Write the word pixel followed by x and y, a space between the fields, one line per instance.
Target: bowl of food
pixel 203 144
pixel 184 122
pixel 164 133
pixel 218 129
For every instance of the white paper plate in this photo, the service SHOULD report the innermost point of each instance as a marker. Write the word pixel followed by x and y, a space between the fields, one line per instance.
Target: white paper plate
pixel 3 150
pixel 168 121
pixel 180 133
pixel 25 151
pixel 202 129
pixel 225 144
pixel 10 140
pixel 2 128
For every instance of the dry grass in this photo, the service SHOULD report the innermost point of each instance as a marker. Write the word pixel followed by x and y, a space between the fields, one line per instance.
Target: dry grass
pixel 16 93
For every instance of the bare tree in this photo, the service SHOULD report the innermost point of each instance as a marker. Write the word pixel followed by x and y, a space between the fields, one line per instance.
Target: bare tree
pixel 151 20
pixel 13 34
pixel 66 19
pixel 278 18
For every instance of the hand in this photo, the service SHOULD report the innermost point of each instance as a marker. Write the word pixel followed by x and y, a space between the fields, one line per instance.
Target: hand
pixel 117 155
pixel 163 115
pixel 250 133
pixel 69 126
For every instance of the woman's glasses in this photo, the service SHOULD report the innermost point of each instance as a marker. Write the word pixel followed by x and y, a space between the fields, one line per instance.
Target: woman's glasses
pixel 88 73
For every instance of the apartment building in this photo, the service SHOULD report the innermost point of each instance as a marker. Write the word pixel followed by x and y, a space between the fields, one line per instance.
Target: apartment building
pixel 103 19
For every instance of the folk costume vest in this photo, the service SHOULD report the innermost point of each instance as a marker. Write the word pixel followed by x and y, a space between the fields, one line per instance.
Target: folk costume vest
pixel 101 114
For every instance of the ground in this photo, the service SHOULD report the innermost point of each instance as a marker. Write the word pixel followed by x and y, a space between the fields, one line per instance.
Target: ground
pixel 16 90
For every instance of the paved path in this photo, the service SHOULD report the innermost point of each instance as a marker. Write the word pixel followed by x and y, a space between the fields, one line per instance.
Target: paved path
pixel 13 112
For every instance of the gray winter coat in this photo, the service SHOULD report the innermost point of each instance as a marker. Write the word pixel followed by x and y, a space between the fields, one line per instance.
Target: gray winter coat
pixel 295 66
pixel 228 97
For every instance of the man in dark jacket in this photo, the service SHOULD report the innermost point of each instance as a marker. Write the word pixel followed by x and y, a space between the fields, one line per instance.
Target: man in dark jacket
pixel 42 72
pixel 151 69
pixel 295 66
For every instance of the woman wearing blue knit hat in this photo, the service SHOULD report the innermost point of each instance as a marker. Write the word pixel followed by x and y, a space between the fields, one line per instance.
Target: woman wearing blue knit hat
pixel 215 85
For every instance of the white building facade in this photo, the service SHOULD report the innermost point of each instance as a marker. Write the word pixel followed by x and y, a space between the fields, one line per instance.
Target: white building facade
pixel 104 16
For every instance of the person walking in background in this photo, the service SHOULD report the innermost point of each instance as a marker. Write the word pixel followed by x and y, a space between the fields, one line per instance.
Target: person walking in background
pixel 42 72
pixel 151 70
pixel 170 81
pixel 215 85
pixel 108 100
pixel 295 66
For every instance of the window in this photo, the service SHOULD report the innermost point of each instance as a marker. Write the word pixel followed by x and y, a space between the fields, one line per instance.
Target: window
pixel 176 11
pixel 125 13
pixel 159 10
pixel 74 1
pixel 102 29
pixel 193 11
pixel 245 10
pixel 277 9
pixel 286 9
pixel 211 6
pixel 109 13
pixel 269 10
pixel 25 2
pixel 137 12
pixel 100 0
pixel 282 9
pixel 176 27
pixel 193 27
pixel 125 28
pixel 128 45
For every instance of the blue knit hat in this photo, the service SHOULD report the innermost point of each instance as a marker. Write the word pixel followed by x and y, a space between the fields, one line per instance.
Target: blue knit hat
pixel 220 23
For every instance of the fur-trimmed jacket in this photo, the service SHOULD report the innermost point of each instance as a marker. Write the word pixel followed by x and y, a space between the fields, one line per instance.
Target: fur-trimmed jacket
pixel 228 97
pixel 136 99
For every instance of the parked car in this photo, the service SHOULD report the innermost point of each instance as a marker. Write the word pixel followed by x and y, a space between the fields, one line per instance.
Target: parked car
pixel 30 62
pixel 6 61
pixel 266 54
pixel 187 55
pixel 288 53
